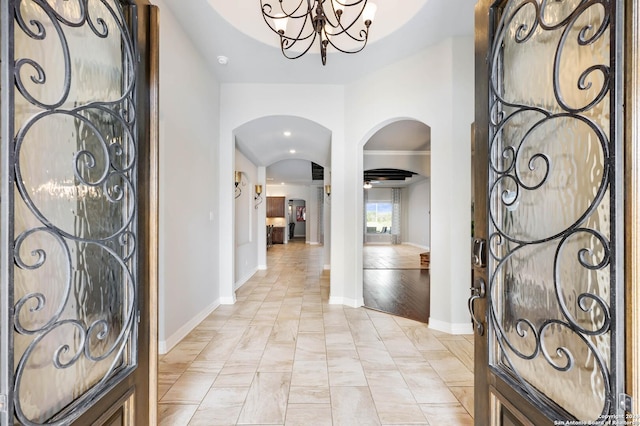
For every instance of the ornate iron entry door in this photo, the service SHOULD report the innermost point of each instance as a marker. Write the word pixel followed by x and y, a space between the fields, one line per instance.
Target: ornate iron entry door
pixel 69 215
pixel 555 312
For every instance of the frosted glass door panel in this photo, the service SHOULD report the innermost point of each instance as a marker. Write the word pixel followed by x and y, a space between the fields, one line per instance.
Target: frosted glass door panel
pixel 74 215
pixel 551 203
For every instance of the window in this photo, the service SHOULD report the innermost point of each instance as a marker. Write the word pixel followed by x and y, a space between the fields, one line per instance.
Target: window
pixel 379 217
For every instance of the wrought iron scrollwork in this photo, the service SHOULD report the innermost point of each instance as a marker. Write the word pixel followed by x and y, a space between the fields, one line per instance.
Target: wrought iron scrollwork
pixel 102 174
pixel 519 168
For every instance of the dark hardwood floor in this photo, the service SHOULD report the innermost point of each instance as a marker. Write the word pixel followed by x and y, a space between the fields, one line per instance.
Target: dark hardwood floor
pixel 402 292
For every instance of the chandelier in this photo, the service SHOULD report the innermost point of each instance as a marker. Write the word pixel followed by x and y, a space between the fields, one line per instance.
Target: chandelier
pixel 333 22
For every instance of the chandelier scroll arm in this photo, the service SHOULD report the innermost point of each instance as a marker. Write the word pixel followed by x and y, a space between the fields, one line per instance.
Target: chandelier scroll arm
pixel 284 46
pixel 363 41
pixel 300 11
pixel 339 25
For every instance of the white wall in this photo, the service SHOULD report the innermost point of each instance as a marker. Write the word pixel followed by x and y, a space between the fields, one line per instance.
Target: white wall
pixel 435 87
pixel 326 226
pixel 379 194
pixel 416 202
pixel 459 182
pixel 417 88
pixel 249 221
pixel 189 125
pixel 316 206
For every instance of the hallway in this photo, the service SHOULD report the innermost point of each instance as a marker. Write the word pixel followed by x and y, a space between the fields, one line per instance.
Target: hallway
pixel 282 355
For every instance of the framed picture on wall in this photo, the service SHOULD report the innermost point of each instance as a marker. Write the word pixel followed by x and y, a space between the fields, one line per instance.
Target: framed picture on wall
pixel 301 213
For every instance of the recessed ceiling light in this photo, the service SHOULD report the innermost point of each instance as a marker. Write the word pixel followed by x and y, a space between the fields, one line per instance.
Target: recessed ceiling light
pixel 281 183
pixel 292 151
pixel 287 133
pixel 223 60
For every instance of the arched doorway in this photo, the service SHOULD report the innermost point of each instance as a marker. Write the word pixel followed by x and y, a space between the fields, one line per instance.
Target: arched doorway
pixel 396 219
pixel 279 153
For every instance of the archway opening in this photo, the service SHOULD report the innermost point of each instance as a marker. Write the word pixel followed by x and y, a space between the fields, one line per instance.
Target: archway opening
pixel 396 220
pixel 278 154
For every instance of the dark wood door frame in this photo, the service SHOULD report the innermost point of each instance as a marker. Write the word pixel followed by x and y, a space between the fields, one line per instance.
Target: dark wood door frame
pixel 483 22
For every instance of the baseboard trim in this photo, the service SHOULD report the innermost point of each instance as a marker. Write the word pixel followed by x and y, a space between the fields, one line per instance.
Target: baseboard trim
pixel 418 246
pixel 166 345
pixel 353 303
pixel 262 267
pixel 450 328
pixel 228 300
pixel 242 281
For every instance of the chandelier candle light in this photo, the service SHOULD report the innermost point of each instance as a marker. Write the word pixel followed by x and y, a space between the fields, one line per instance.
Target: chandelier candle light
pixel 333 22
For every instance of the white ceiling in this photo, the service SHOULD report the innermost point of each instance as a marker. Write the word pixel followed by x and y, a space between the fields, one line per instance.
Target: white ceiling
pixel 256 58
pixel 263 140
pixel 236 29
pixel 403 135
pixel 290 172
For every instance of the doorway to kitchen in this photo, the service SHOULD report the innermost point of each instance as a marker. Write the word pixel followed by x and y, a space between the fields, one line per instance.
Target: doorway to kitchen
pixel 297 226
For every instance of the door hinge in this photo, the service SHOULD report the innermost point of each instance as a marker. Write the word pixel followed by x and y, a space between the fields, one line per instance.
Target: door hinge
pixel 626 403
pixel 3 403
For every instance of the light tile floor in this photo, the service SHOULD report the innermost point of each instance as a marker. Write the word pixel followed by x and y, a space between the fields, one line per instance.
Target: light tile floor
pixel 282 355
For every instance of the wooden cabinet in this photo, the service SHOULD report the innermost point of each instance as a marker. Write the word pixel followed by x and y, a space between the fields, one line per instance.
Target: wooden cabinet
pixel 275 207
pixel 277 237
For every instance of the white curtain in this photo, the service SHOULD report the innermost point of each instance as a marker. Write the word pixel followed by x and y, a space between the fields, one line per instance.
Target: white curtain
pixel 396 199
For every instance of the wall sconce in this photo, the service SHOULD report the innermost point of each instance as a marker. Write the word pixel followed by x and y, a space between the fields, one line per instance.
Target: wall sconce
pixel 367 184
pixel 258 196
pixel 327 191
pixel 237 182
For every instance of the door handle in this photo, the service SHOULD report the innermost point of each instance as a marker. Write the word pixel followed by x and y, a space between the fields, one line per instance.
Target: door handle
pixel 478 291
